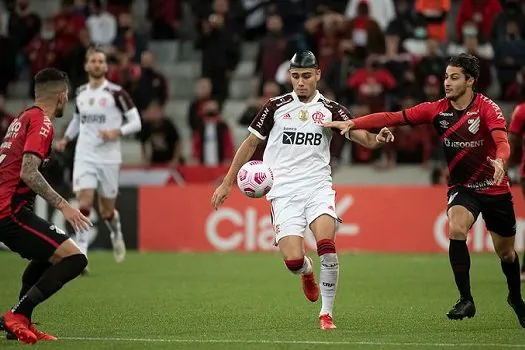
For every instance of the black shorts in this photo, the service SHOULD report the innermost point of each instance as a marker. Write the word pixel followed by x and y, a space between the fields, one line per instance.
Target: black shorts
pixel 31 236
pixel 496 210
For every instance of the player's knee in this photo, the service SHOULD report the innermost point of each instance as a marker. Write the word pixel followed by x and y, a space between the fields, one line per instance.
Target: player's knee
pixel 107 213
pixel 507 255
pixel 294 265
pixel 457 231
pixel 325 246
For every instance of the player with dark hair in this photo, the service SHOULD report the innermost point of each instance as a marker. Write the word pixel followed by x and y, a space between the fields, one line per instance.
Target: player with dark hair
pixel 298 152
pixel 54 258
pixel 473 134
pixel 517 146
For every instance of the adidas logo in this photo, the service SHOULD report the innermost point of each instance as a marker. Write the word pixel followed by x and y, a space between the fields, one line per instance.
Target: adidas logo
pixel 287 116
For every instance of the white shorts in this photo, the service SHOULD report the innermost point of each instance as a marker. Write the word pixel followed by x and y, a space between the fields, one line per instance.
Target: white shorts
pixel 292 216
pixel 102 177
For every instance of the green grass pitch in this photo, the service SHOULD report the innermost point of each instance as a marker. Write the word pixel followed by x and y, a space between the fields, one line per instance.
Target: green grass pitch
pixel 250 301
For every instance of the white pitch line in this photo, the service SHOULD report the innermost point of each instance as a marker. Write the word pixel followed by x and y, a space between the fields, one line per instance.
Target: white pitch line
pixel 291 342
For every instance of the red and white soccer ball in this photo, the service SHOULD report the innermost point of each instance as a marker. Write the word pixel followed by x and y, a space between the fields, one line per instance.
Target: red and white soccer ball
pixel 255 179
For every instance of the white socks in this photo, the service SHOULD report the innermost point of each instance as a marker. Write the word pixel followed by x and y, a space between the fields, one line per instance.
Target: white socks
pixel 114 224
pixel 328 281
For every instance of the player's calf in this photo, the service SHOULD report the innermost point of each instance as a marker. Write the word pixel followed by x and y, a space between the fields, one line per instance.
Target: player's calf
pixel 329 274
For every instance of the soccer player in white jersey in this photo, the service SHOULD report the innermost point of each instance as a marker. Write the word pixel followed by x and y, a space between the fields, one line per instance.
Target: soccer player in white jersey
pixel 103 113
pixel 298 151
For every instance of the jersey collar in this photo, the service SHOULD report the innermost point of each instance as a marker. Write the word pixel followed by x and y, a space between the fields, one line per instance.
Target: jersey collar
pixel 316 98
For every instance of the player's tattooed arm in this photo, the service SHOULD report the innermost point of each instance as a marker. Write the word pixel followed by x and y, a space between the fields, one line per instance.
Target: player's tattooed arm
pixel 36 181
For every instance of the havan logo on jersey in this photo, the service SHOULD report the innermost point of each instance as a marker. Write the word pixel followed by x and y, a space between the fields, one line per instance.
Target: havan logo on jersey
pixel 93 119
pixel 302 138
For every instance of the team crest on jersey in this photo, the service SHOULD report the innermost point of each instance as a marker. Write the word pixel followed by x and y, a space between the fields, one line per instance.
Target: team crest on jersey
pixel 103 102
pixel 473 125
pixel 91 101
pixel 318 118
pixel 303 115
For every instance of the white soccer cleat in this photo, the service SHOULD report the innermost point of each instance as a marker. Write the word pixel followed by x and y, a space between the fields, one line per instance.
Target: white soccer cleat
pixel 119 247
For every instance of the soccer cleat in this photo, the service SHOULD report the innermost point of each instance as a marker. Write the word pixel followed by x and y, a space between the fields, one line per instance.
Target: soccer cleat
pixel 19 325
pixel 119 247
pixel 310 287
pixel 519 309
pixel 326 322
pixel 41 335
pixel 463 308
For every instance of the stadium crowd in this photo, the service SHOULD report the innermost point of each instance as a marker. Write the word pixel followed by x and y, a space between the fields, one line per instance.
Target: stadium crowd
pixel 375 55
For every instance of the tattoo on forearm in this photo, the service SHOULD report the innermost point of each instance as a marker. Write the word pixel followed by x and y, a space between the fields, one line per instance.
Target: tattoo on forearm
pixel 34 179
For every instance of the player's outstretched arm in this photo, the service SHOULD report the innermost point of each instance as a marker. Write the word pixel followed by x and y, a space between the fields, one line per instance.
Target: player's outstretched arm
pixel 72 131
pixel 371 140
pixel 243 154
pixel 36 181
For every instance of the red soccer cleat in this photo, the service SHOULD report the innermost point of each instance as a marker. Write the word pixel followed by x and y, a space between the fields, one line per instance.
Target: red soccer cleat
pixel 41 335
pixel 19 325
pixel 326 322
pixel 310 287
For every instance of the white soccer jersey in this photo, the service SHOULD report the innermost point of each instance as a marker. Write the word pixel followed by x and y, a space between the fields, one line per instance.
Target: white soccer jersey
pixel 103 108
pixel 298 147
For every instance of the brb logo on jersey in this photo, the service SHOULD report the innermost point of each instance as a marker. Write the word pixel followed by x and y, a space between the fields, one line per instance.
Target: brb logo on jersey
pixel 93 119
pixel 302 138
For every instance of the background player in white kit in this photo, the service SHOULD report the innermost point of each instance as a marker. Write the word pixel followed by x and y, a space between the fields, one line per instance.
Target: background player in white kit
pixel 101 108
pixel 298 151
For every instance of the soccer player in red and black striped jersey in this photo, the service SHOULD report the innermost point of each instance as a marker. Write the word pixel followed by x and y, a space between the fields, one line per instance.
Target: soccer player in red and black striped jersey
pixel 54 258
pixel 474 137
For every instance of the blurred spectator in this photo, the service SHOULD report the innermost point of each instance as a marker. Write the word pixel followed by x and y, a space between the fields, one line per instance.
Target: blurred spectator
pixel 196 110
pixel 220 54
pixel 512 10
pixel 372 83
pixel 480 13
pixel 255 18
pixel 165 17
pixel 124 73
pixel 434 13
pixel 509 55
pixel 382 11
pixel 273 50
pixel 101 24
pixel 67 24
pixel 159 137
pixel 270 89
pixel 324 34
pixel 414 145
pixel 5 118
pixel 516 91
pixel 433 63
pixel 7 62
pixel 116 7
pixel 42 52
pixel 212 142
pixel 76 72
pixel 337 73
pixel 484 53
pixel 405 21
pixel 128 38
pixel 152 85
pixel 432 89
pixel 23 25
pixel 366 32
pixel 399 64
pixel 294 13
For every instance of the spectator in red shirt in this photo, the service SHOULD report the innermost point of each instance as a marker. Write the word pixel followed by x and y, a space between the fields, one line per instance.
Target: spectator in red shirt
pixel 481 12
pixel 165 17
pixel 125 72
pixel 67 25
pixel 203 92
pixel 372 83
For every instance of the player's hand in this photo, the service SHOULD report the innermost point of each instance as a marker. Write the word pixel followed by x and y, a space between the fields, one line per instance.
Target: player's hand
pixel 110 135
pixel 75 218
pixel 343 126
pixel 60 145
pixel 385 136
pixel 220 195
pixel 499 169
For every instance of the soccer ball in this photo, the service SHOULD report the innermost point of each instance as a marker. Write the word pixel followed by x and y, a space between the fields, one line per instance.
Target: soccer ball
pixel 255 179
